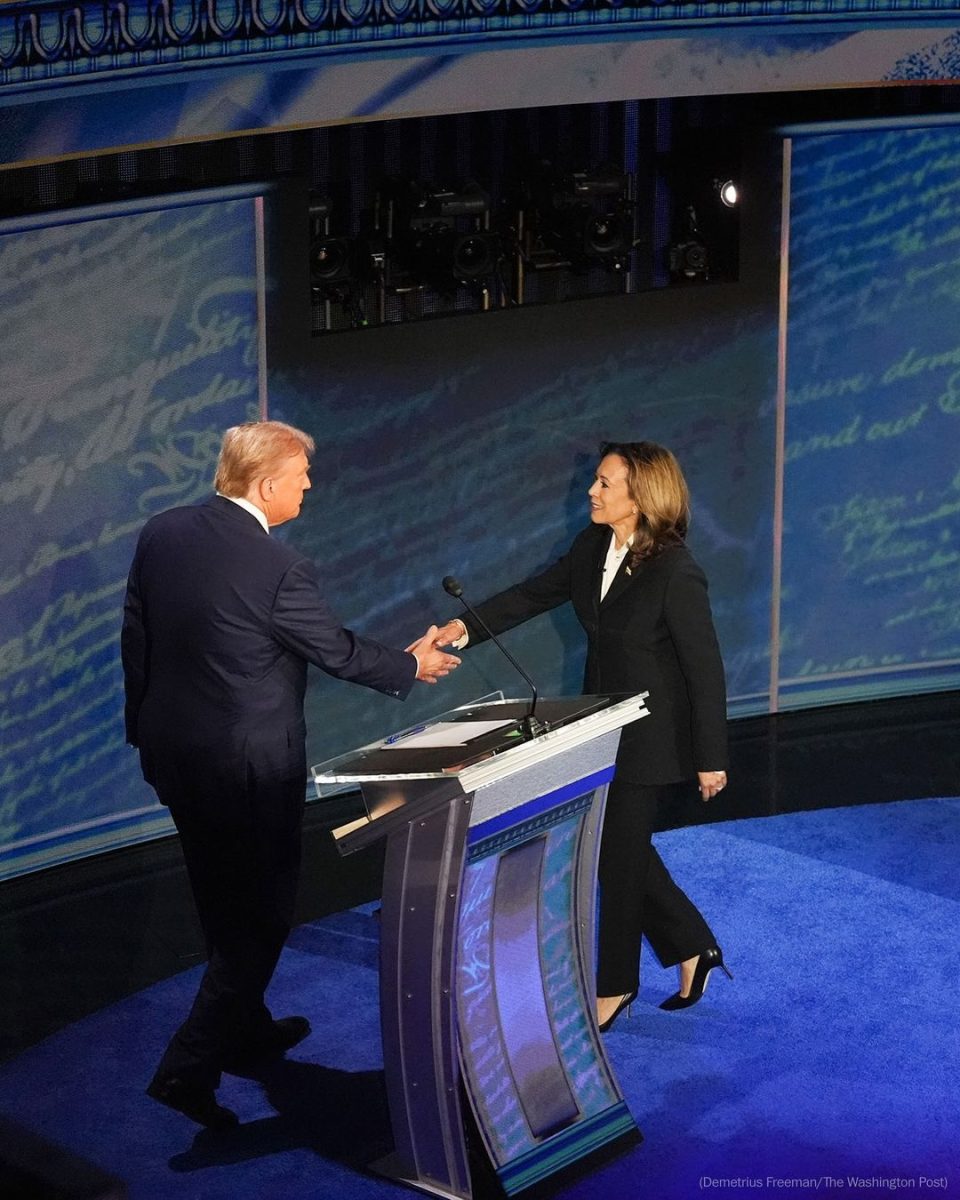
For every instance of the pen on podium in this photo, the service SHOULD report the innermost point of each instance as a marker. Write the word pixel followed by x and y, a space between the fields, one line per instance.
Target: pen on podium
pixel 398 737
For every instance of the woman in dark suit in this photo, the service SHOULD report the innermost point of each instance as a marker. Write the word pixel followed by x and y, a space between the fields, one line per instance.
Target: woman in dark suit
pixel 642 601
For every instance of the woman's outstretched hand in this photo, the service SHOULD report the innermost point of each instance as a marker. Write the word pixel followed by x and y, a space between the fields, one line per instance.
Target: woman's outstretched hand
pixel 452 632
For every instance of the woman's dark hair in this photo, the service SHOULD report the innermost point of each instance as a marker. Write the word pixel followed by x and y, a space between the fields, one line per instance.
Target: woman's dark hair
pixel 659 490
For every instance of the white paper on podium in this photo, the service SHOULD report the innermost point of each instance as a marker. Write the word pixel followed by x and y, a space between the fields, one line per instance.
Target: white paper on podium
pixel 443 733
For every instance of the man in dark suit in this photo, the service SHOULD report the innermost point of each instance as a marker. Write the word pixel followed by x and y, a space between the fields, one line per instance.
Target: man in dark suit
pixel 220 622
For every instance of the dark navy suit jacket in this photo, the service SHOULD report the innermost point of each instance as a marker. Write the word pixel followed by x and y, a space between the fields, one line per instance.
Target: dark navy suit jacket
pixel 220 622
pixel 652 632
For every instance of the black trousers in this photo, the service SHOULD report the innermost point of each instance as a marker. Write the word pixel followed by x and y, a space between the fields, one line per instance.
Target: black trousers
pixel 638 898
pixel 241 840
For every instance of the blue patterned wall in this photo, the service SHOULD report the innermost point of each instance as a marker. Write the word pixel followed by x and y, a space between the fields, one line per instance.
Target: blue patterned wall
pixel 465 446
pixel 871 561
pixel 129 340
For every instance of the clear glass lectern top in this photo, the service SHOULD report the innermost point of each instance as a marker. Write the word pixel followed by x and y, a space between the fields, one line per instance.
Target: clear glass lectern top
pixel 452 741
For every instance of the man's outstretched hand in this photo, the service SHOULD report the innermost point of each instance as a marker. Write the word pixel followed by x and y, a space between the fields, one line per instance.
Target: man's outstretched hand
pixel 432 662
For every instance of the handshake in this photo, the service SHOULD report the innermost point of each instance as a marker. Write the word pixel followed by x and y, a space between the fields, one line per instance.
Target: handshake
pixel 432 661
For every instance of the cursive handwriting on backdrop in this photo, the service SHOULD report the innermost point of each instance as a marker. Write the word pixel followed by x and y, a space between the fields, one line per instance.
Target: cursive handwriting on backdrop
pixel 129 344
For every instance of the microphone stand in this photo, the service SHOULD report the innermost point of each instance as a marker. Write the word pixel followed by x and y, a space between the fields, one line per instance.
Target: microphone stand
pixel 532 726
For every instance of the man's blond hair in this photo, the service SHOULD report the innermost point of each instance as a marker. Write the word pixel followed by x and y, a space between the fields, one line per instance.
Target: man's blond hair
pixel 255 450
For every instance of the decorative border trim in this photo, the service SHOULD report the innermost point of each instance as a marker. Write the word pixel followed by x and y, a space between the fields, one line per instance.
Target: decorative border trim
pixel 497 833
pixel 42 41
pixel 605 1129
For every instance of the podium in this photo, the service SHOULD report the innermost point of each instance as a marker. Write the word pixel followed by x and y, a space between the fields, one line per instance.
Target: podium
pixel 487 992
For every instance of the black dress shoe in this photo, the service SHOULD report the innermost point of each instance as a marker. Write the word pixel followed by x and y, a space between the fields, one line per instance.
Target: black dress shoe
pixel 708 959
pixel 284 1034
pixel 197 1103
pixel 280 1036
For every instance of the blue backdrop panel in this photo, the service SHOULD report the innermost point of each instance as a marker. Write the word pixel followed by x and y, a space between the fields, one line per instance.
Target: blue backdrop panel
pixel 871 547
pixel 129 340
pixel 466 446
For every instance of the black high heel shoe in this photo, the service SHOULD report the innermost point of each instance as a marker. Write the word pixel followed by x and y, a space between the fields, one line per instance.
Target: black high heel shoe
pixel 701 976
pixel 625 1002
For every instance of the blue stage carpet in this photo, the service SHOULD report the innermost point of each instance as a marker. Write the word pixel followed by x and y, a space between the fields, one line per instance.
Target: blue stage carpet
pixel 833 1056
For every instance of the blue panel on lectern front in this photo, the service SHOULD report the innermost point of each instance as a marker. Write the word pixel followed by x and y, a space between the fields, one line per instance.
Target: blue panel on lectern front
pixel 551 984
pixel 559 959
pixel 519 985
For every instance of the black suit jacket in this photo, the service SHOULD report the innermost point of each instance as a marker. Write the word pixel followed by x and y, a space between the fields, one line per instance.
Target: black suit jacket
pixel 652 632
pixel 220 622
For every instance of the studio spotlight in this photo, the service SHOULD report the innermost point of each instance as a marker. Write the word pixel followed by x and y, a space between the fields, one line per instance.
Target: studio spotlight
pixel 608 236
pixel 688 258
pixel 577 221
pixel 345 271
pixel 330 259
pixel 439 237
pixel 441 257
pixel 728 192
pixel 474 255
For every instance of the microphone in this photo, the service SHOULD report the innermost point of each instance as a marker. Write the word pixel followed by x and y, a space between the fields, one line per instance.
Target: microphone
pixel 532 727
